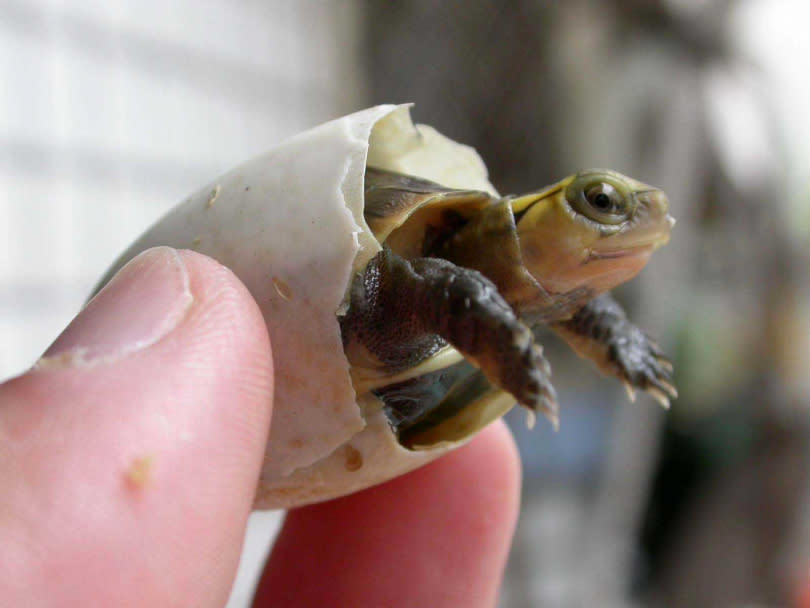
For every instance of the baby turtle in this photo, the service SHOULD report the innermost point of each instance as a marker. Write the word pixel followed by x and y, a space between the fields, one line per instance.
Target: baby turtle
pixel 441 322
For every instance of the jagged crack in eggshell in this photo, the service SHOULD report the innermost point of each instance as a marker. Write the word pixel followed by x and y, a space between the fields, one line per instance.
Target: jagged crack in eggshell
pixel 399 145
pixel 290 225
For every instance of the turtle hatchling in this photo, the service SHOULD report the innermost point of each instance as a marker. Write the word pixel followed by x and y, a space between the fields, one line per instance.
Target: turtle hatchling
pixel 403 294
pixel 439 324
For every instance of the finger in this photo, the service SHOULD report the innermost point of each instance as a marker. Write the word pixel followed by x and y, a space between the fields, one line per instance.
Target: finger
pixel 129 456
pixel 436 537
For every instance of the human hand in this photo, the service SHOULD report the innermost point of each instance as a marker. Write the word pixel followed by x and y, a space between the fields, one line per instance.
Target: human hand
pixel 129 459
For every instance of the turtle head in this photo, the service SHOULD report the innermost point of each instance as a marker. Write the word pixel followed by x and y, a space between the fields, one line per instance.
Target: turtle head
pixel 591 231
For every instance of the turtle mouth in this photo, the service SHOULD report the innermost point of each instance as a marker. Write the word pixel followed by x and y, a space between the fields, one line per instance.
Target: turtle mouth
pixel 634 248
pixel 637 241
pixel 618 258
pixel 614 254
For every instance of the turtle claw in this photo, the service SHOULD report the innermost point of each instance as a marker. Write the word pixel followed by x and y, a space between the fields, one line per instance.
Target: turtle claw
pixel 601 332
pixel 549 410
pixel 660 397
pixel 554 419
pixel 525 373
pixel 641 364
pixel 665 364
pixel 631 392
pixel 662 391
pixel 545 366
pixel 541 396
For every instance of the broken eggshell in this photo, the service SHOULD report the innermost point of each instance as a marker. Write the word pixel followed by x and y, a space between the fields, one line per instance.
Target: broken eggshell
pixel 290 225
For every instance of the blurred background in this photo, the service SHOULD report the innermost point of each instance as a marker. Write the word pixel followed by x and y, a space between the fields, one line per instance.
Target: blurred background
pixel 110 112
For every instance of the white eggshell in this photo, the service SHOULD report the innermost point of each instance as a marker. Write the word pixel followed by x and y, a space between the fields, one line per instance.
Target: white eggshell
pixel 290 225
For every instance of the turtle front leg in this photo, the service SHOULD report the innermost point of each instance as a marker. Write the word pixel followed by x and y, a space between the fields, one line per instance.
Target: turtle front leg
pixel 403 311
pixel 601 332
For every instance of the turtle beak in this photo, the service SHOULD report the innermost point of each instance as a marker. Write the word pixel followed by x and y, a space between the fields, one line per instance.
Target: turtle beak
pixel 652 218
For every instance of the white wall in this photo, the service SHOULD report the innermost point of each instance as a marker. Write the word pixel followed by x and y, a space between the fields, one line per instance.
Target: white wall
pixel 113 110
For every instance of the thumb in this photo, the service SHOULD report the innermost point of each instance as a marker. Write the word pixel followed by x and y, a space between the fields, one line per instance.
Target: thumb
pixel 129 455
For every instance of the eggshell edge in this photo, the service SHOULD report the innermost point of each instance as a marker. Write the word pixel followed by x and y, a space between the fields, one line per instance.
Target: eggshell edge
pixel 290 225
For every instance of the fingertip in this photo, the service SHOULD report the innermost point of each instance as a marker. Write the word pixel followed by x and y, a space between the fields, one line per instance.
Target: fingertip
pixel 499 452
pixel 122 464
pixel 438 536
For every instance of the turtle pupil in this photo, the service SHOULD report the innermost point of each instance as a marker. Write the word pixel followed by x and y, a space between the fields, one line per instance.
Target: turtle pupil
pixel 601 201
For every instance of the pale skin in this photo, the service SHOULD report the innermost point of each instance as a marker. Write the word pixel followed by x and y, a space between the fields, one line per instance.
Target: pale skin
pixel 128 463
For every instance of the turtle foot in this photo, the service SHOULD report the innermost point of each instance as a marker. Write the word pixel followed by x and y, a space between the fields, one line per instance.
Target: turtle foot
pixel 601 332
pixel 539 395
pixel 641 364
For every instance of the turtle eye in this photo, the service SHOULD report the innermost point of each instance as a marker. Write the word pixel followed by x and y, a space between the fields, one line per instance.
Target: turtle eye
pixel 599 201
pixel 604 198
